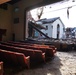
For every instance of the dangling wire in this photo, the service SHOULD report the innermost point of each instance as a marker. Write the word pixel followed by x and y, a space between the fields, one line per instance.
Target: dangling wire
pixel 68 13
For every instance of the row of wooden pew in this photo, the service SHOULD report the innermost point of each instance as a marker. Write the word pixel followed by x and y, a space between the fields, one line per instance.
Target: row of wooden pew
pixel 49 52
pixel 36 45
pixel 24 54
pixel 14 58
pixel 28 45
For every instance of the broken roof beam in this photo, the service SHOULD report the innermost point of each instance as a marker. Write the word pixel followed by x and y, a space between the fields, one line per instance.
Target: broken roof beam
pixel 34 26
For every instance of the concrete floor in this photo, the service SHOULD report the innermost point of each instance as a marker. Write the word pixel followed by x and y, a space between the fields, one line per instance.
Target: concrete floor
pixel 64 63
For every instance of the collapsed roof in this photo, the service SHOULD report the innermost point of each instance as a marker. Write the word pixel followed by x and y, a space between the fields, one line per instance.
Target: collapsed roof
pixel 51 20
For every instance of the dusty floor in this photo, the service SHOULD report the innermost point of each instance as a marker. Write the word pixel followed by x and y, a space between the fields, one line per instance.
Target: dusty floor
pixel 64 63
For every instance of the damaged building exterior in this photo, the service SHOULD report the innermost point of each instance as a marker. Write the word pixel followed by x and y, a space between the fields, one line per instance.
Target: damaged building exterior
pixel 54 27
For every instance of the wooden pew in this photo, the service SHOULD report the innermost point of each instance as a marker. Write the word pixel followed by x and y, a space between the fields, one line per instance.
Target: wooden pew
pixel 21 43
pixel 14 58
pixel 1 68
pixel 53 49
pixel 26 52
pixel 30 44
pixel 49 52
pixel 45 47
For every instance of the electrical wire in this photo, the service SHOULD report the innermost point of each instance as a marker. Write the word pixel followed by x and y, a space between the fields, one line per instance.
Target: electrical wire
pixel 67 7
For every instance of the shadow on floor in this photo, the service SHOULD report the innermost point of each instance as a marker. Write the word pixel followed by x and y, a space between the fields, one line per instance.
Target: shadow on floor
pixel 51 67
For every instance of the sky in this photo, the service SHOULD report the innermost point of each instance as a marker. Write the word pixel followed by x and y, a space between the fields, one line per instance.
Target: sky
pixel 59 10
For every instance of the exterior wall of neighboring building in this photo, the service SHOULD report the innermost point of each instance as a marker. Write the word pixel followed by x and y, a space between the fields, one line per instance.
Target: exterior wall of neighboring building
pixel 48 30
pixel 61 31
pixel 52 29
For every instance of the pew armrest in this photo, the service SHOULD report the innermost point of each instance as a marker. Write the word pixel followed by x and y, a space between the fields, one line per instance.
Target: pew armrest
pixel 43 54
pixel 1 68
pixel 28 61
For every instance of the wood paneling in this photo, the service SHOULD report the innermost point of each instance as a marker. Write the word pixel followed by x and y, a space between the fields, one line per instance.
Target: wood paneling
pixel 4 1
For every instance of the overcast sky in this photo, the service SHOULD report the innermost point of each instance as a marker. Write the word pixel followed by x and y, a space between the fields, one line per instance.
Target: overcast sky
pixel 60 10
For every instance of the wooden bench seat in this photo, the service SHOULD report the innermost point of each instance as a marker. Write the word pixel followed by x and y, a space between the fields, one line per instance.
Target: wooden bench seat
pixel 37 45
pixel 21 43
pixel 49 52
pixel 14 58
pixel 44 46
pixel 26 52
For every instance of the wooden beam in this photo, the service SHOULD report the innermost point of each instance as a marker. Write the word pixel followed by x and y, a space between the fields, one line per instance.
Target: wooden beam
pixel 4 1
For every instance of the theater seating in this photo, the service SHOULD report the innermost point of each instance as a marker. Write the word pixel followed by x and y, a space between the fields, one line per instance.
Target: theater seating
pixel 49 51
pixel 19 43
pixel 30 44
pixel 33 53
pixel 14 58
pixel 1 68
pixel 26 52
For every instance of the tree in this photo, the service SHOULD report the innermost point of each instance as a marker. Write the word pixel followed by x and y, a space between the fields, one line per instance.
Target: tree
pixel 40 12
